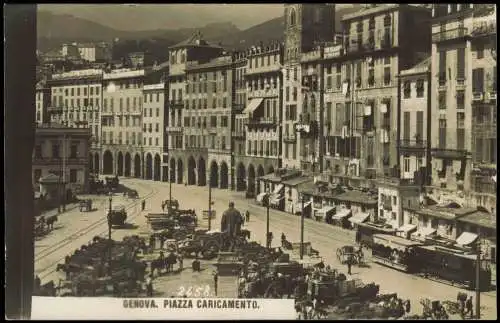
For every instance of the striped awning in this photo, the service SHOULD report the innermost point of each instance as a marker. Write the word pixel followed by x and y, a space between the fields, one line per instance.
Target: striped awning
pixel 342 213
pixel 324 211
pixel 253 105
pixel 278 188
pixel 359 217
pixel 260 197
pixel 466 238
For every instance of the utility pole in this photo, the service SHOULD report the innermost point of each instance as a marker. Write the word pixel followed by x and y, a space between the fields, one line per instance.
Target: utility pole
pixel 268 197
pixel 478 276
pixel 302 229
pixel 64 173
pixel 110 223
pixel 210 203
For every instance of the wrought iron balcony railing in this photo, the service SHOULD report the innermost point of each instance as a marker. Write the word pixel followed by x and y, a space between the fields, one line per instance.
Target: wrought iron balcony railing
pixel 449 34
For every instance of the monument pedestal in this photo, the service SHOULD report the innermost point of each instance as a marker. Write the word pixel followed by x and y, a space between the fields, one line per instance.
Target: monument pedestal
pixel 228 268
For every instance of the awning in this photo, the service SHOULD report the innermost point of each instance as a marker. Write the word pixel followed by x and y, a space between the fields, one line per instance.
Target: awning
pixel 260 197
pixel 383 108
pixel 368 110
pixel 253 105
pixel 394 242
pixel 298 206
pixel 466 238
pixel 278 188
pixel 359 217
pixel 342 213
pixel 407 228
pixel 324 211
pixel 424 232
pixel 276 200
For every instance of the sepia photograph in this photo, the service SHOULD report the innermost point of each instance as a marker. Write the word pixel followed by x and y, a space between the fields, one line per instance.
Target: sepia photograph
pixel 311 161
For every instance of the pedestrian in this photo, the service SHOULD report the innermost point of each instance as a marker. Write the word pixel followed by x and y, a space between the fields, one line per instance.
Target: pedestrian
pixel 216 278
pixel 349 265
pixel 143 204
pixel 195 265
pixel 162 241
pixel 181 262
pixel 269 239
pixel 152 241
pixel 283 239
pixel 407 307
pixel 149 285
pixel 468 307
pixel 247 216
pixel 163 206
pixel 38 282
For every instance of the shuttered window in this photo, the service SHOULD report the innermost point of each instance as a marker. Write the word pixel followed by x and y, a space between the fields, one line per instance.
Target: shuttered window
pixel 442 66
pixel 329 112
pixel 420 125
pixel 461 63
pixel 460 138
pixel 339 117
pixel 406 126
pixel 479 149
pixel 478 80
pixel 442 133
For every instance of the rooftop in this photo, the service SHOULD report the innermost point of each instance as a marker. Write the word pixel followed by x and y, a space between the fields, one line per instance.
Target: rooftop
pixel 357 197
pixel 216 62
pixel 298 180
pixel 195 41
pixel 442 212
pixel 481 219
pixel 422 67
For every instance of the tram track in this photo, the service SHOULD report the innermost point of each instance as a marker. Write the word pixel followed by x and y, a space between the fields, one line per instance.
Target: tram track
pixel 82 232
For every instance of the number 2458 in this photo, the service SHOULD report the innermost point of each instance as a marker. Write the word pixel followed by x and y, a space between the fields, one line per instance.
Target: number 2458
pixel 194 291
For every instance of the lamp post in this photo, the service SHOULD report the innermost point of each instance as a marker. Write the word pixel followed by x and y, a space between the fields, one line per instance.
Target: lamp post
pixel 210 203
pixel 302 228
pixel 109 231
pixel 170 188
pixel 268 201
pixel 478 277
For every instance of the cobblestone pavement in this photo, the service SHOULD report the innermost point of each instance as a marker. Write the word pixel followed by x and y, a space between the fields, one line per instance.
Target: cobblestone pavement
pixel 324 238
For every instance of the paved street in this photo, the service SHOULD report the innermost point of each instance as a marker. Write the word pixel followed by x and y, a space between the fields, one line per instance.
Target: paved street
pixel 324 238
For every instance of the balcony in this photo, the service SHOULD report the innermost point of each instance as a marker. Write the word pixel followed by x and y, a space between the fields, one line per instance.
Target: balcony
pixel 334 51
pixel 449 153
pixel 448 35
pixel 412 144
pixel 262 124
pixel 484 26
pixel 54 109
pixel 289 138
pixel 264 93
pixel 58 161
pixel 238 134
pixel 177 104
pixel 172 129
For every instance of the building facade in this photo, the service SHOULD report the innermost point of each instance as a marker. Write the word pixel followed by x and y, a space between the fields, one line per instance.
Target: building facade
pixel 415 122
pixel 122 143
pixel 42 101
pixel 463 102
pixel 154 117
pixel 187 163
pixel 261 116
pixel 76 99
pixel 62 151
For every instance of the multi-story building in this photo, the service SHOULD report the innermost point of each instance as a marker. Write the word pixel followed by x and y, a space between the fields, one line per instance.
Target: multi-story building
pixel 207 120
pixel 306 25
pixel 362 100
pixel 186 163
pixel 153 130
pixel 62 153
pixel 42 102
pixel 463 102
pixel 75 102
pixel 70 50
pixel 94 52
pixel 239 122
pixel 262 114
pixel 415 123
pixel 122 127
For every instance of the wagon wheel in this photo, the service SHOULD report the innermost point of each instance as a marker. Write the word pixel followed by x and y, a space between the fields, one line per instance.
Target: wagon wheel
pixel 339 254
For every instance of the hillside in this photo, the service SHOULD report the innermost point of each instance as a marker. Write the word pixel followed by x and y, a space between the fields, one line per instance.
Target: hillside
pixel 53 30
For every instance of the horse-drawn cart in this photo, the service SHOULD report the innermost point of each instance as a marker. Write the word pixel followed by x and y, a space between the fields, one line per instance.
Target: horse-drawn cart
pixel 350 253
pixel 133 194
pixel 85 205
pixel 118 215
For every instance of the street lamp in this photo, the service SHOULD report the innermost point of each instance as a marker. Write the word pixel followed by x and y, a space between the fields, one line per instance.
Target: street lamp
pixel 210 203
pixel 109 230
pixel 302 228
pixel 478 277
pixel 267 200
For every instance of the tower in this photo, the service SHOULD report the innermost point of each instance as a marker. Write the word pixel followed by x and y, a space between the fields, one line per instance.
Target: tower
pixel 306 27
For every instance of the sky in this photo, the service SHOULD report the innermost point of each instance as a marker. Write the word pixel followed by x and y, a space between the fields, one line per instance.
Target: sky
pixel 136 17
pixel 168 16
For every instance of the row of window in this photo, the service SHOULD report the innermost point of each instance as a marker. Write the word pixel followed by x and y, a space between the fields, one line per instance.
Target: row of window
pixel 149 128
pixel 73 175
pixel 85 116
pixel 151 112
pixel 74 103
pixel 130 138
pixel 150 141
pixel 203 103
pixel 122 121
pixel 57 150
pixel 202 122
pixel 92 90
pixel 407 89
pixel 262 147
pixel 125 84
pixel 150 95
pixel 265 60
pixel 459 97
pixel 211 142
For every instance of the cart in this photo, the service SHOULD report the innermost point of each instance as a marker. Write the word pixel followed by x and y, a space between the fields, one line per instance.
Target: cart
pixel 86 205
pixel 133 194
pixel 346 253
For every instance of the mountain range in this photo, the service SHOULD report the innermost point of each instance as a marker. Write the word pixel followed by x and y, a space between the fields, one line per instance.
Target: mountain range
pixel 55 29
